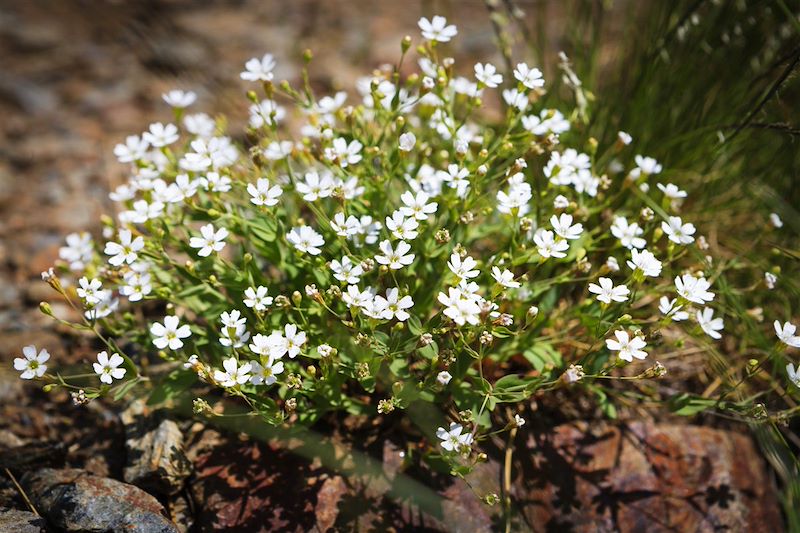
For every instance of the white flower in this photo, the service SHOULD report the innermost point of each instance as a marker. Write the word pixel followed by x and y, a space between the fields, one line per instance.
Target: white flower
pixel 407 141
pixel 606 291
pixel 306 240
pixel 169 333
pixel 125 250
pixel 316 186
pixel 645 262
pixel 31 364
pixel 628 234
pixel 215 182
pixel 107 305
pixel 794 375
pixel 560 202
pixel 137 285
pixel 515 98
pixel 437 29
pixel 79 250
pixel 256 298
pixel 505 278
pixel 265 374
pixel 346 270
pixel 357 298
pixel 694 289
pixel 263 194
pixel 259 69
pixel 463 268
pixel 294 338
pixel 234 332
pixel 529 77
pixel 548 246
pixel 710 324
pixel 234 374
pixel 488 75
pixel 211 240
pixel 443 378
pixel 456 178
pixel 671 190
pixel 573 374
pixel 199 124
pixel 395 258
pixel 401 227
pixel 266 112
pixel 669 308
pixel 278 150
pixel 452 439
pixel 108 368
pixel 777 222
pixel 344 154
pixel 392 306
pixel 647 165
pixel 624 137
pixel 549 121
pixel 134 149
pixel 459 309
pixel 417 205
pixel 179 99
pixel 628 348
pixel 519 421
pixel 786 334
pixel 142 212
pixel 515 201
pixel 159 135
pixel 89 291
pixel 563 227
pixel 770 279
pixel 677 231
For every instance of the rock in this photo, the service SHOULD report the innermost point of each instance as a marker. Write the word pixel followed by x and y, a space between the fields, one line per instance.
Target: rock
pixel 644 477
pixel 328 498
pixel 155 455
pixel 13 520
pixel 75 500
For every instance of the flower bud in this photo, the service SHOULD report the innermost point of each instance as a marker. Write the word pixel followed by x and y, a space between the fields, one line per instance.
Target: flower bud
pixel 45 308
pixel 297 297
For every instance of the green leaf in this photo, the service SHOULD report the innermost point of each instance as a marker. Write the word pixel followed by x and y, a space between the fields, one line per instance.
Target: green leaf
pixel 174 384
pixel 685 404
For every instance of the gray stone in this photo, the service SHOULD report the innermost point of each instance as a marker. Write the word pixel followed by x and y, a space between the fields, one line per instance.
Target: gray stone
pixel 15 521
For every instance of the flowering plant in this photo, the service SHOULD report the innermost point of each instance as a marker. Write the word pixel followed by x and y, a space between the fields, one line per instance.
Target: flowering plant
pixel 403 248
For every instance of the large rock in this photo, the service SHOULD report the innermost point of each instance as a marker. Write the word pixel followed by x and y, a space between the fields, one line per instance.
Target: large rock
pixel 13 520
pixel 155 455
pixel 75 500
pixel 644 477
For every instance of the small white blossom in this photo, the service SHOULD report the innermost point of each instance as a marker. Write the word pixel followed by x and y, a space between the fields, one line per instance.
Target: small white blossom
pixel 259 69
pixel 263 194
pixel 606 291
pixel 529 77
pixel 548 246
pixel 443 378
pixel 257 299
pixel 344 154
pixel 108 368
pixel 437 29
pixel 78 252
pixel 397 257
pixel 125 250
pixel 265 374
pixel 677 231
pixel 564 228
pixel 463 268
pixel 316 186
pixel 488 75
pixel 306 240
pixel 694 289
pixel 794 375
pixel 392 306
pixel 401 227
pixel 628 348
pixel 234 374
pixel 671 190
pixel 32 363
pixel 417 205
pixel 159 135
pixel 770 279
pixel 89 290
pixel 346 270
pixel 628 234
pixel 170 333
pixel 407 141
pixel 210 241
pixel 712 326
pixel 624 137
pixel 453 439
pixel 647 165
pixel 505 278
pixel 669 308
pixel 179 99
pixel 786 334
pixel 645 262
pixel 775 220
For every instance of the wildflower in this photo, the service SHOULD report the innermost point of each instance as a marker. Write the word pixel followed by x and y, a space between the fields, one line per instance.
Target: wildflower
pixel 306 240
pixel 108 368
pixel 159 135
pixel 211 240
pixel 401 227
pixel 215 182
pixel 265 374
pixel 505 278
pixel 794 375
pixel 179 99
pixel 628 234
pixel 709 324
pixel 443 378
pixel 671 191
pixel 453 439
pixel 770 279
pixel 262 194
pixel 294 339
pixel 357 298
pixel 344 154
pixel 278 150
pixel 234 332
pixel 694 289
pixel 103 308
pixel 529 77
pixel 266 112
pixel 257 299
pixel 549 122
pixel 645 262
pixel 669 308
pixel 134 149
pixel 564 228
pixel 459 309
pixel 169 333
pixel 548 246
pixel 89 290
pixel 624 137
pixel 259 69
pixel 488 75
pixel 316 186
pixel 407 141
pixel 199 124
pixel 125 250
pixel 606 291
pixel 142 212
pixel 786 334
pixel 612 264
pixel 234 373
pixel 346 270
pixel 646 165
pixel 677 231
pixel 392 306
pixel 437 29
pixel 775 220
pixel 78 252
pixel 627 347
pixel 326 350
pixel 464 269
pixel 417 205
pixel 456 178
pixel 31 364
pixel 560 202
pixel 395 258
pixel 515 98
pixel 518 421
pixel 573 374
